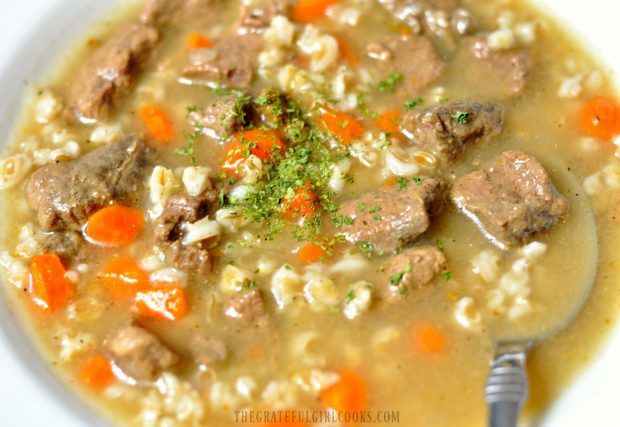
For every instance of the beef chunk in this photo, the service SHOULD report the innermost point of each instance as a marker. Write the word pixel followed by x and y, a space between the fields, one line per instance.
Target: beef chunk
pixel 249 308
pixel 66 194
pixel 272 108
pixel 138 353
pixel 171 12
pixel 446 129
pixel 414 268
pixel 506 73
pixel 256 18
pixel 413 57
pixel 111 71
pixel 207 351
pixel 194 257
pixel 179 209
pixel 224 117
pixel 510 200
pixel 230 61
pixel 386 219
pixel 67 244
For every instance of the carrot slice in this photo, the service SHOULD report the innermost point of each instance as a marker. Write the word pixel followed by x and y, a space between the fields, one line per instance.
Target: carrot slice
pixel 123 277
pixel 341 126
pixel 114 226
pixel 311 253
pixel 347 52
pixel 157 122
pixel 428 339
pixel 49 288
pixel 348 394
pixel 96 372
pixel 389 121
pixel 306 11
pixel 166 302
pixel 600 118
pixel 261 143
pixel 196 40
pixel 390 181
pixel 302 203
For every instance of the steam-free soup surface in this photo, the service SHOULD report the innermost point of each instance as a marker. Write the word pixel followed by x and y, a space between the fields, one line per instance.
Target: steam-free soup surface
pixel 332 207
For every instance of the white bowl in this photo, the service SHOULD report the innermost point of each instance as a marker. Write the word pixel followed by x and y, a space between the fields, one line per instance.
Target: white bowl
pixel 36 33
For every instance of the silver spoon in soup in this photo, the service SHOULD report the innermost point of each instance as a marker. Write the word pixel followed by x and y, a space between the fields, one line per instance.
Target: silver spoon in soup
pixel 572 255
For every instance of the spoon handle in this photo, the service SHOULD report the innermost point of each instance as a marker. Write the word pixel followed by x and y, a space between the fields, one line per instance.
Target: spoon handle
pixel 506 388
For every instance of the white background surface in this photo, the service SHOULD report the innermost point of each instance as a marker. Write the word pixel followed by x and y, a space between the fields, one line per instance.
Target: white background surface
pixel 26 402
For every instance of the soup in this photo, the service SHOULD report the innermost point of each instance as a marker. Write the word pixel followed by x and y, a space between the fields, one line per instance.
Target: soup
pixel 313 212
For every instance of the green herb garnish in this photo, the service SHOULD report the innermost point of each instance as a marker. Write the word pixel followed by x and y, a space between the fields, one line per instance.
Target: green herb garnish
pixel 364 109
pixel 413 103
pixel 390 82
pixel 461 117
pixel 350 296
pixel 397 278
pixel 403 183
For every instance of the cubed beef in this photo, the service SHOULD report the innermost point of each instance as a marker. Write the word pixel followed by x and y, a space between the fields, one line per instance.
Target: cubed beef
pixel 172 12
pixel 224 117
pixel 248 307
pixel 386 219
pixel 272 108
pixel 511 200
pixel 257 17
pixel 179 209
pixel 68 244
pixel 194 257
pixel 231 61
pixel 207 351
pixel 446 129
pixel 413 58
pixel 111 71
pixel 505 72
pixel 138 353
pixel 412 269
pixel 66 194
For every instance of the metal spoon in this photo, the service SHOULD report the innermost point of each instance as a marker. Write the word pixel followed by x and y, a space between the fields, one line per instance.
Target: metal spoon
pixel 507 387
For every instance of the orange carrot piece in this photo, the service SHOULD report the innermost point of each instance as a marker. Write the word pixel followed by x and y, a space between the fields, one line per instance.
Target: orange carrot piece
pixel 389 121
pixel 196 40
pixel 306 11
pixel 114 226
pixel 428 339
pixel 302 203
pixel 311 253
pixel 600 118
pixel 341 126
pixel 165 302
pixel 348 394
pixel 390 181
pixel 96 372
pixel 347 52
pixel 123 277
pixel 49 288
pixel 261 143
pixel 157 122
